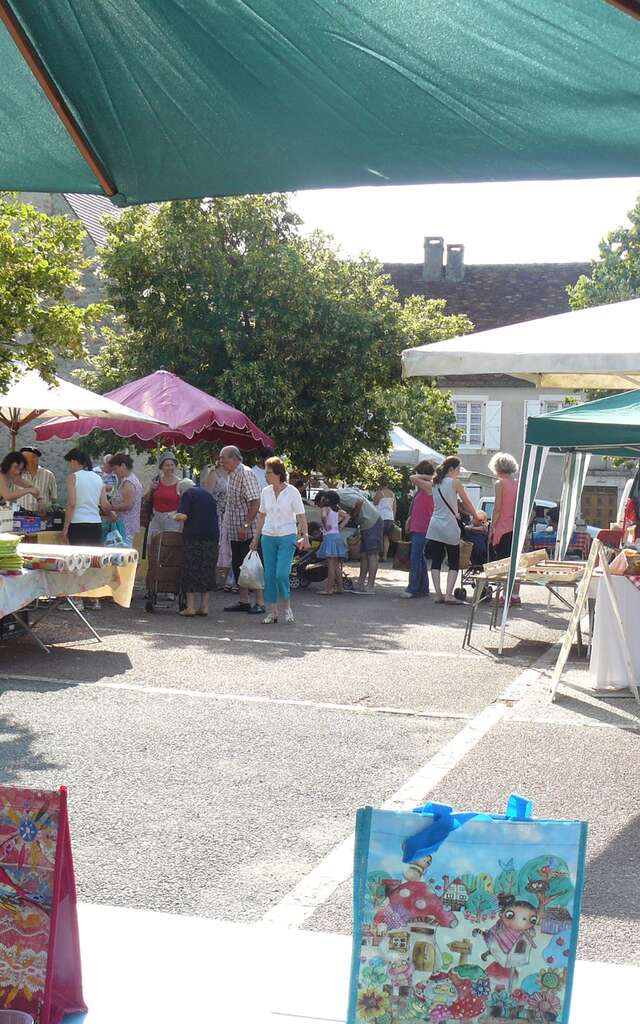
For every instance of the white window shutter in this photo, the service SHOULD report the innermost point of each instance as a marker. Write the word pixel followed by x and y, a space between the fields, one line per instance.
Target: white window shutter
pixel 492 425
pixel 532 407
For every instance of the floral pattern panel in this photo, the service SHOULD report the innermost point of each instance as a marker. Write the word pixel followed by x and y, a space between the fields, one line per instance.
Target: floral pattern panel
pixel 29 822
pixel 480 927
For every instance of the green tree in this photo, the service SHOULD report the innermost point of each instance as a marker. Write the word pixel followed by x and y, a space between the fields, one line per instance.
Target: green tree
pixel 41 260
pixel 230 296
pixel 615 275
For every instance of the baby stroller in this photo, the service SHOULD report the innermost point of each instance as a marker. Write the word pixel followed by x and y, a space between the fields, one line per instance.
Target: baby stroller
pixel 164 556
pixel 474 554
pixel 308 568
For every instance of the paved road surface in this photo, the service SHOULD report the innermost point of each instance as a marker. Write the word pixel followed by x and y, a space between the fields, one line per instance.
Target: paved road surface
pixel 215 765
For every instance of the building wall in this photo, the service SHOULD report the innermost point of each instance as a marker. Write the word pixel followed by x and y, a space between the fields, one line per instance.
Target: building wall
pixel 513 410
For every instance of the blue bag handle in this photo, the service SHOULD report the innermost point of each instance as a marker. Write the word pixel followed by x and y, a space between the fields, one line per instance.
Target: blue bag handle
pixel 445 822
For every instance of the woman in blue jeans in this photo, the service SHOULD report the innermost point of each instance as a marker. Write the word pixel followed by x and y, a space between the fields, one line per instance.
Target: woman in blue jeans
pixel 280 518
pixel 419 518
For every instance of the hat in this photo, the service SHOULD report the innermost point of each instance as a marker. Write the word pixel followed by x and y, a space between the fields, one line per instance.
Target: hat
pixel 30 448
pixel 165 457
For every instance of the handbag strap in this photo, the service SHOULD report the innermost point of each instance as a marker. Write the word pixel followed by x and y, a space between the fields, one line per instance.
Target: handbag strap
pixel 454 514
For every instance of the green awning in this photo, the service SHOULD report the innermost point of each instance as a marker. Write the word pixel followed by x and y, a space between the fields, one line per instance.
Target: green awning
pixel 608 426
pixel 181 98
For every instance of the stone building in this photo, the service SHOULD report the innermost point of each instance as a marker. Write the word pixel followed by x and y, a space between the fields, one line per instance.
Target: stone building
pixel 492 409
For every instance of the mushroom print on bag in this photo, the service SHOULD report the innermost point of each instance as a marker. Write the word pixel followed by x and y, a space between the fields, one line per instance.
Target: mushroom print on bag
pixel 483 927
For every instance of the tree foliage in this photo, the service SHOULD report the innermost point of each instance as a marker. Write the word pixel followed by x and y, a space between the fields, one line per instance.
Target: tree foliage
pixel 41 260
pixel 615 275
pixel 230 296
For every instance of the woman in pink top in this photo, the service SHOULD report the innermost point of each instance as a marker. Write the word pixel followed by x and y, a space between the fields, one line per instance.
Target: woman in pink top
pixel 419 518
pixel 504 467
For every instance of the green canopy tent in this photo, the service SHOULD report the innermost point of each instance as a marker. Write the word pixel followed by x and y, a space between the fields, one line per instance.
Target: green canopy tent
pixel 608 426
pixel 146 100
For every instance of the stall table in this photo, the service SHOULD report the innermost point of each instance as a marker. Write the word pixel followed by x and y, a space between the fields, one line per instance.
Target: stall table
pixel 533 568
pixel 607 668
pixel 109 580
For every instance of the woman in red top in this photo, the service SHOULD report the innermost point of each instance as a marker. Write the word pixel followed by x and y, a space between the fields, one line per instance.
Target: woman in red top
pixel 421 512
pixel 163 494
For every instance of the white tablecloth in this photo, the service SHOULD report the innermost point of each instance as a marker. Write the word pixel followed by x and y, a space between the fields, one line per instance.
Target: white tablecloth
pixel 112 581
pixel 607 669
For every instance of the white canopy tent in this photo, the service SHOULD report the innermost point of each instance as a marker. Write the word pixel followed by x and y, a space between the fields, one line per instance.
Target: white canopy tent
pixel 589 348
pixel 409 451
pixel 32 397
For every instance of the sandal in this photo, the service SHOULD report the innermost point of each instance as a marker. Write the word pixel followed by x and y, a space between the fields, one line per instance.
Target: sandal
pixel 438 600
pixel 187 615
pixel 203 613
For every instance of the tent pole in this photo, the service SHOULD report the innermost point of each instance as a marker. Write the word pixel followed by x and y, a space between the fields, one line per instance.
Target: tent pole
pixel 53 94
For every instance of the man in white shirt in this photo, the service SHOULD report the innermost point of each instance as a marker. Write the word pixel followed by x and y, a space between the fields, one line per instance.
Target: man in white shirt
pixel 258 470
pixel 37 476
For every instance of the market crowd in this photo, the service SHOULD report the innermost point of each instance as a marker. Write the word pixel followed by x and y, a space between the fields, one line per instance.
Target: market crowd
pixel 243 526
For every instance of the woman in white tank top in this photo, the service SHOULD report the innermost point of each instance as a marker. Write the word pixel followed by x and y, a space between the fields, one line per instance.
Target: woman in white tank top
pixel 385 501
pixel 86 501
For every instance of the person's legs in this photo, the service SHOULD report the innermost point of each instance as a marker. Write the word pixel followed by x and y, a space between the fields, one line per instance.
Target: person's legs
pixel 453 558
pixel 337 576
pixel 371 546
pixel 239 549
pixel 417 565
pixel 373 569
pixel 331 577
pixel 191 604
pixel 386 539
pixel 437 555
pixel 270 557
pixel 285 551
pixel 364 567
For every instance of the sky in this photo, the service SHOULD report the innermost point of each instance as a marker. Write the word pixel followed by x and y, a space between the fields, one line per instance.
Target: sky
pixel 497 222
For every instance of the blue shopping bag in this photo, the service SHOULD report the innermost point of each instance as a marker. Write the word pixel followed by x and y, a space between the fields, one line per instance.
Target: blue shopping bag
pixel 464 917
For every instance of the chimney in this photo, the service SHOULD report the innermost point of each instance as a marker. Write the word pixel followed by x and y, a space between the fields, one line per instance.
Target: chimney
pixel 433 259
pixel 455 263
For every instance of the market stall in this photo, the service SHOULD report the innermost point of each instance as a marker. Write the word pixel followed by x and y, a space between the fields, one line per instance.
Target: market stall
pixel 61 572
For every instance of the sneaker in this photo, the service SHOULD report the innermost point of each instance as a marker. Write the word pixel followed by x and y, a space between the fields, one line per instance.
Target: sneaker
pixel 240 606
pixel 289 616
pixel 257 609
pixel 270 619
pixel 407 594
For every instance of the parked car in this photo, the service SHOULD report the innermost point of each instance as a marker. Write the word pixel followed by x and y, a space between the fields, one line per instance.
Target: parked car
pixel 541 508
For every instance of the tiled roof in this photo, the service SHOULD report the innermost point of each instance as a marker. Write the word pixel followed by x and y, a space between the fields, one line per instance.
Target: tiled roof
pixel 495 294
pixel 90 210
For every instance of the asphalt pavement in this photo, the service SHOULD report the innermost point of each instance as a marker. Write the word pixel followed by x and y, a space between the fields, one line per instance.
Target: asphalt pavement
pixel 214 764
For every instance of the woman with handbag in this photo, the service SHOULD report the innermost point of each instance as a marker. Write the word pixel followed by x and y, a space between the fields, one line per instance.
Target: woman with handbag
pixel 445 527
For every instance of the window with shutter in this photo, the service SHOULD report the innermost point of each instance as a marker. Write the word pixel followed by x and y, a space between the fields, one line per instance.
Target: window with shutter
pixel 469 418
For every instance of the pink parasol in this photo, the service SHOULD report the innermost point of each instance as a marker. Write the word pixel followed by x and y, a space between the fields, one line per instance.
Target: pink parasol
pixel 192 416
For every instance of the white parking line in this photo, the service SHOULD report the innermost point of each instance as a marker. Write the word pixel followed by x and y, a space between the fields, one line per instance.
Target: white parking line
pixel 315 888
pixel 240 698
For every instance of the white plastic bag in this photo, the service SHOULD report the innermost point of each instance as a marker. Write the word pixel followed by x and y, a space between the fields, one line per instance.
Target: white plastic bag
pixel 251 572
